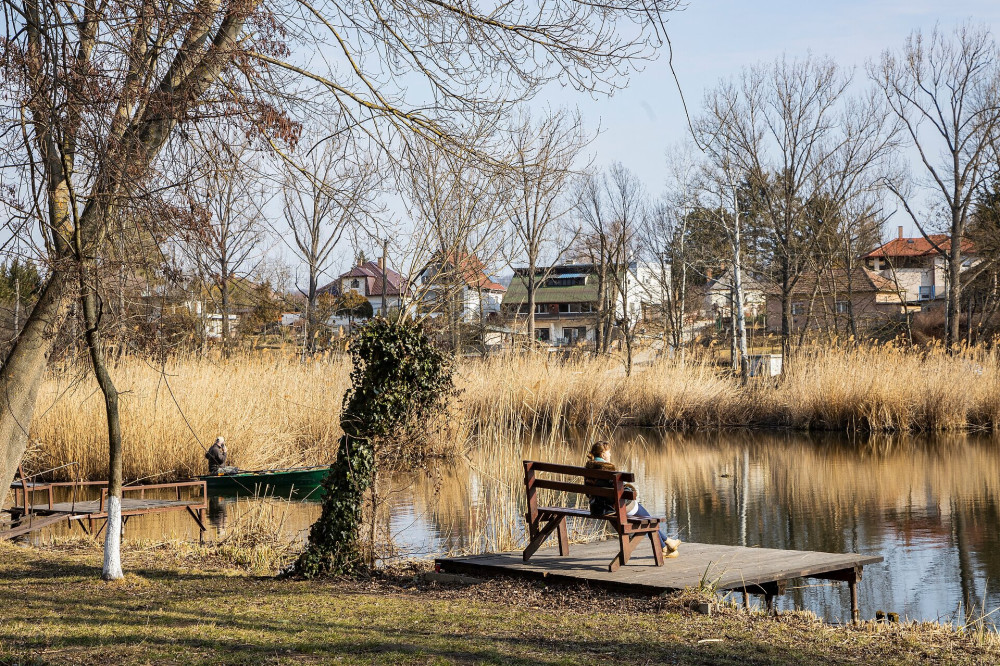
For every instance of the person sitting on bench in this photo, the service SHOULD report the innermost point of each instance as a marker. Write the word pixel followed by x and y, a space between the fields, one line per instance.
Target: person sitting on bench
pixel 600 458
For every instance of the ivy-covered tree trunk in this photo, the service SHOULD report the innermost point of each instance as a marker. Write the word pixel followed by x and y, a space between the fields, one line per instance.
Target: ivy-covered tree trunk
pixel 334 543
pixel 399 380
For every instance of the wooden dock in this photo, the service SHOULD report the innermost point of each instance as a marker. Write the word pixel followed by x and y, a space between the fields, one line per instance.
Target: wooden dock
pixel 30 516
pixel 762 571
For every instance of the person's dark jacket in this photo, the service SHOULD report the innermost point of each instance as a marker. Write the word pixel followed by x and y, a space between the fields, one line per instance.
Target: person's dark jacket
pixel 600 506
pixel 216 458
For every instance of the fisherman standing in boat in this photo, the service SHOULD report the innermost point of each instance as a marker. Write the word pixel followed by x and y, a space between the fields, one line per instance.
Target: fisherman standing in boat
pixel 216 456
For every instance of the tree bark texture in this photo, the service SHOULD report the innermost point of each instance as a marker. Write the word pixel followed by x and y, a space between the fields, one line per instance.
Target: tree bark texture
pixel 21 374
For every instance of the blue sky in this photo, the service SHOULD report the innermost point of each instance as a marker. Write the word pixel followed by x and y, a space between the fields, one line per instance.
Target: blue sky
pixel 715 39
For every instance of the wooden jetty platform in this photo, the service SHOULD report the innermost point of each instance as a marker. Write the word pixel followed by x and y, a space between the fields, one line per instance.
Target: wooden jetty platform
pixel 760 571
pixel 28 515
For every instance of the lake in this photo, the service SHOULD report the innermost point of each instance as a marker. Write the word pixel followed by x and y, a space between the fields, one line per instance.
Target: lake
pixel 929 506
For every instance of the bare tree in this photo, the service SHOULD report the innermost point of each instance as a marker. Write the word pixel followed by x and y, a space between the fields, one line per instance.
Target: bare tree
pixel 661 244
pixel 629 205
pixel 721 200
pixel 457 207
pixel 610 207
pixel 663 236
pixel 223 239
pixel 781 133
pixel 543 157
pixel 328 191
pixel 945 90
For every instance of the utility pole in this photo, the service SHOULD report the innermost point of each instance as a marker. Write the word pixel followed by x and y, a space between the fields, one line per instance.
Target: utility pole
pixel 385 252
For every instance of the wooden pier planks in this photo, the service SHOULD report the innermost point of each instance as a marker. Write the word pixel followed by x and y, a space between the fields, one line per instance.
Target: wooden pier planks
pixel 725 567
pixel 130 505
pixel 32 516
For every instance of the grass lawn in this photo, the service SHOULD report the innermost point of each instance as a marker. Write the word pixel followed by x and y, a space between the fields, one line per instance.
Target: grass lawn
pixel 179 604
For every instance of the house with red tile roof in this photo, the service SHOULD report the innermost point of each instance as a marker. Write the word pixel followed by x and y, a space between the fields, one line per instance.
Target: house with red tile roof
pixel 460 279
pixel 365 278
pixel 917 264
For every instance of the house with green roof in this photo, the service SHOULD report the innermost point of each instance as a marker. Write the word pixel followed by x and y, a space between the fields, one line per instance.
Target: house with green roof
pixel 566 300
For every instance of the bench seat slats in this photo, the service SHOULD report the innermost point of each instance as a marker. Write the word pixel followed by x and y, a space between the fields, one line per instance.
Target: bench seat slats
pixel 584 513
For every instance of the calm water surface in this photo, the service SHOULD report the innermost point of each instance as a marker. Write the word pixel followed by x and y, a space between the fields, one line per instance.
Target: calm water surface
pixel 930 507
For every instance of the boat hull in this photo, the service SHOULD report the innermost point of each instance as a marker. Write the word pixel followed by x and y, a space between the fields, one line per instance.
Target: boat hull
pixel 298 483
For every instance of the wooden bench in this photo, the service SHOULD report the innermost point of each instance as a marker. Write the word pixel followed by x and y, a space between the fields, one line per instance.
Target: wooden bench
pixel 544 520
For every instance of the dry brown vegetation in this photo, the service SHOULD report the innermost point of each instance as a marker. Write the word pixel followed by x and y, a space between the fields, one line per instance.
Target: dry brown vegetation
pixel 277 411
pixel 184 605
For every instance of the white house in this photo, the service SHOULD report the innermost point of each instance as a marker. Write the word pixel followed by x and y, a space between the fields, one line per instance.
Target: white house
pixel 462 279
pixel 366 279
pixel 719 296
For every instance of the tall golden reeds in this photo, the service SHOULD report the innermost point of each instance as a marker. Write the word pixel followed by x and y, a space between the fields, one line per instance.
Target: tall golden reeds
pixel 278 411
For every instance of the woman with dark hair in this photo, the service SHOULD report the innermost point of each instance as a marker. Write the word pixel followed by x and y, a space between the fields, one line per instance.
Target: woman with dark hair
pixel 600 458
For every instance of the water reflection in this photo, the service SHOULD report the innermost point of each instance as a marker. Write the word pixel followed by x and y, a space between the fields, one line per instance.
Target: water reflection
pixel 928 506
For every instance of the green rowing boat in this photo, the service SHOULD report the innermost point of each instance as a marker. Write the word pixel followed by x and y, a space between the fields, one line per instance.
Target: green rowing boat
pixel 302 480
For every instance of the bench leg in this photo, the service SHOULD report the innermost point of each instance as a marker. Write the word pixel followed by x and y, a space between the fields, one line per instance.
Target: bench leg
pixel 654 538
pixel 542 534
pixel 563 537
pixel 627 543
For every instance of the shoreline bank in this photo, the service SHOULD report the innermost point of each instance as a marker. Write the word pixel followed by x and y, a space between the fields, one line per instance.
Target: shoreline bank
pixel 183 605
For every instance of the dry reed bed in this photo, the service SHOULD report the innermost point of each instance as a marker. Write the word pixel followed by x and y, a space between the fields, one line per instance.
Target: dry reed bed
pixel 272 411
pixel 277 411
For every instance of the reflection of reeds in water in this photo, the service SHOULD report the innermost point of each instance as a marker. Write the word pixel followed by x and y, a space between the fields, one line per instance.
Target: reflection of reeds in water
pixel 703 483
pixel 256 538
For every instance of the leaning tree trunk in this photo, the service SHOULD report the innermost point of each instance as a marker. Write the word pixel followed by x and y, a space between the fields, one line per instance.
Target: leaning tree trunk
pixel 21 374
pixel 112 569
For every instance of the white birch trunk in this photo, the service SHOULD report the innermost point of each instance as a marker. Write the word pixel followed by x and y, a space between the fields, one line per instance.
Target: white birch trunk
pixel 113 541
pixel 739 315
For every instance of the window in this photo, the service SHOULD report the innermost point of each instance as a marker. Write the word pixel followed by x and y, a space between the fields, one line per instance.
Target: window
pixel 566 281
pixel 541 308
pixel 355 284
pixel 574 334
pixel 798 309
pixel 926 293
pixel 542 334
pixel 843 308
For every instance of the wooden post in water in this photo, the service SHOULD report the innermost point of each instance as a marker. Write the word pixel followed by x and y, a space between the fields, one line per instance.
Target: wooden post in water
pixel 855 612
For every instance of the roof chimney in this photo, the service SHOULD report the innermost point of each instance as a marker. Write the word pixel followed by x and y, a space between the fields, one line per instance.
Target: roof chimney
pixel 381 263
pixel 361 260
pixel 901 232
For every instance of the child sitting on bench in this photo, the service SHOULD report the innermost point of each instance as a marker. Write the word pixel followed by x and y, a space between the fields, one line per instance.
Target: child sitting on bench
pixel 600 458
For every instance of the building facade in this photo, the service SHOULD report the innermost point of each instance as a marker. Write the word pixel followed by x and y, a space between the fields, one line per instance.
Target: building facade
pixel 365 279
pixel 567 300
pixel 829 299
pixel 916 265
pixel 457 282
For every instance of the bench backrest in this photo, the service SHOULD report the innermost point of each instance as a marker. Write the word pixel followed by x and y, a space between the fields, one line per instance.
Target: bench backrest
pixel 618 494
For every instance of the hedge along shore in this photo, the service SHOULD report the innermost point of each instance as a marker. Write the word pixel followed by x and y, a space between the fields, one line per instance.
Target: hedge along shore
pixel 179 604
pixel 277 411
